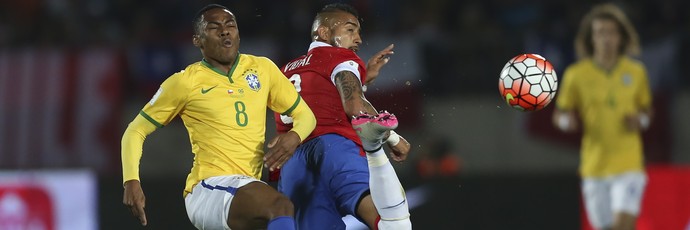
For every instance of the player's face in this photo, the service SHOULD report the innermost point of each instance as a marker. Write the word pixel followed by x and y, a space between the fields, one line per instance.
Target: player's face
pixel 345 32
pixel 606 37
pixel 220 38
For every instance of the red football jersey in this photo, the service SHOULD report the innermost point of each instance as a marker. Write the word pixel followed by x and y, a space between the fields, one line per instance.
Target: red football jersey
pixel 311 75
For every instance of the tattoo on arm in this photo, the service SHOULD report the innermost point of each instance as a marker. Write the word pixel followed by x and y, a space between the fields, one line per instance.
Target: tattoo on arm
pixel 348 84
pixel 351 94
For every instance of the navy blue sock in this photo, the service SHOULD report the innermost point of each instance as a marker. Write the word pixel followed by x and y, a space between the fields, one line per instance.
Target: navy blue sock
pixel 282 223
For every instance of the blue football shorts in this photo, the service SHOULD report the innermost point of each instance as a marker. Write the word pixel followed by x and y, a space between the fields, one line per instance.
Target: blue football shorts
pixel 325 179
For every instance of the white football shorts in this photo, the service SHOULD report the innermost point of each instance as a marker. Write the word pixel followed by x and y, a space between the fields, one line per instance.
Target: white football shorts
pixel 209 202
pixel 606 196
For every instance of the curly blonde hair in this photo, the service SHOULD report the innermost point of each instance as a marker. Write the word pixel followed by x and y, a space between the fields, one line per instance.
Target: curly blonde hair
pixel 630 41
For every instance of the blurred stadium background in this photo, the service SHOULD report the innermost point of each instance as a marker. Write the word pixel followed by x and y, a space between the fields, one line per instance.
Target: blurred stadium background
pixel 73 73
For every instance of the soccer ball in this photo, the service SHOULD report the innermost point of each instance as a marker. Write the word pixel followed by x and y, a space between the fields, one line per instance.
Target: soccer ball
pixel 528 82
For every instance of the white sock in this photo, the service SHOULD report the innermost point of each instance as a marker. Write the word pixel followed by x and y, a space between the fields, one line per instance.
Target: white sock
pixel 403 224
pixel 386 191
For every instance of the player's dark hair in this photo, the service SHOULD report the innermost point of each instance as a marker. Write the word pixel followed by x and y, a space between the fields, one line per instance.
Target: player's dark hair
pixel 630 42
pixel 198 17
pixel 335 7
pixel 322 15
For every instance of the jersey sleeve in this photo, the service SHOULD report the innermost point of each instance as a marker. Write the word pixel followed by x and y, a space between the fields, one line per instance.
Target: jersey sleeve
pixel 643 96
pixel 567 95
pixel 132 144
pixel 348 65
pixel 168 100
pixel 284 99
pixel 162 107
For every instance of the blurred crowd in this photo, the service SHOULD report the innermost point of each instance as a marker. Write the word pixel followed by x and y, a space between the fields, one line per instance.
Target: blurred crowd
pixel 461 43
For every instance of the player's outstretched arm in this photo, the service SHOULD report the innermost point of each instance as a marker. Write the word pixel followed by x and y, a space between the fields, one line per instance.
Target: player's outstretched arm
pixel 132 143
pixel 376 62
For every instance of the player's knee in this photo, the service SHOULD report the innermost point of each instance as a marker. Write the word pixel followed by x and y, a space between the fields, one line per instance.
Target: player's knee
pixel 281 206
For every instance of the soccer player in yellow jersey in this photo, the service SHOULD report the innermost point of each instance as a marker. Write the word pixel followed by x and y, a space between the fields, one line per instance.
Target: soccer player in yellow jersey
pixel 609 93
pixel 222 100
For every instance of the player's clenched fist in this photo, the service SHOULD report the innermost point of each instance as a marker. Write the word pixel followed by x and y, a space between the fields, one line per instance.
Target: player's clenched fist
pixel 400 148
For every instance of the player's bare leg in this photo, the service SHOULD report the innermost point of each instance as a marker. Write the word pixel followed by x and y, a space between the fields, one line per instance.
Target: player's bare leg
pixel 257 205
pixel 366 210
pixel 387 193
pixel 624 221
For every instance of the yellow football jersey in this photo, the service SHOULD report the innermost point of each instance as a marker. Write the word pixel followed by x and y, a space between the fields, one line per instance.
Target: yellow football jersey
pixel 224 113
pixel 602 100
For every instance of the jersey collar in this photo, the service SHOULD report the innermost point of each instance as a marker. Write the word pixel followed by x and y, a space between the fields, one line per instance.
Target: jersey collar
pixel 316 44
pixel 218 71
pixel 605 71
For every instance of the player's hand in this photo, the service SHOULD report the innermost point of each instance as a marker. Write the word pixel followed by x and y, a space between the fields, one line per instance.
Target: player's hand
pixel 280 149
pixel 565 121
pixel 399 151
pixel 134 199
pixel 376 62
pixel 632 122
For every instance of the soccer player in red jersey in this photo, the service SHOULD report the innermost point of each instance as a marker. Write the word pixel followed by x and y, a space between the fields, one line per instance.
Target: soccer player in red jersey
pixel 329 175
